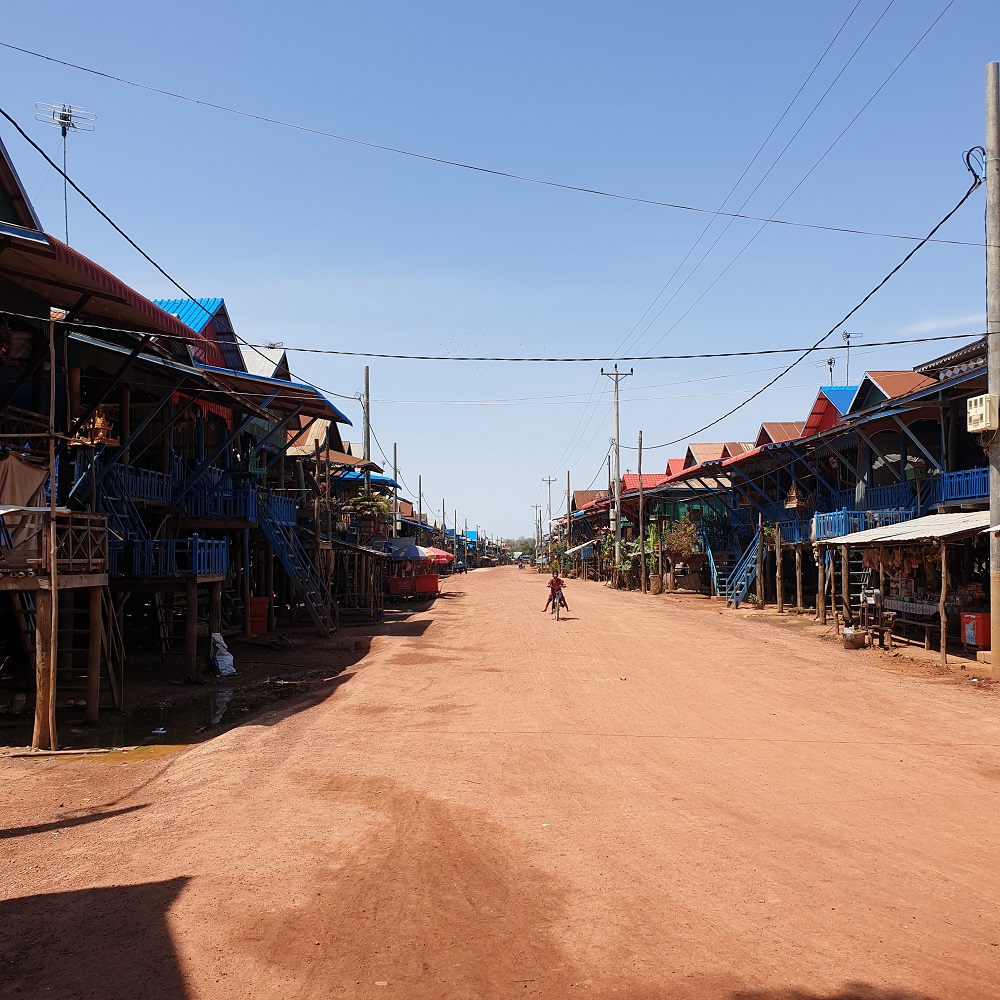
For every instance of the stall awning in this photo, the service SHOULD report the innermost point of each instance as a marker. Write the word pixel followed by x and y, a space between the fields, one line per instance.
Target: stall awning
pixel 932 528
pixel 576 548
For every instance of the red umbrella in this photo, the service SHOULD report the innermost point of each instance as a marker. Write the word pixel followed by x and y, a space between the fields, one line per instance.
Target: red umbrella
pixel 436 555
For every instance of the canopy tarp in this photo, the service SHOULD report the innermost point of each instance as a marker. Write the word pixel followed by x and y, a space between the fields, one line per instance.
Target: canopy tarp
pixel 932 528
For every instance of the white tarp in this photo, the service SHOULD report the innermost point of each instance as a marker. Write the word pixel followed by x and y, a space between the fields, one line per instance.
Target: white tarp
pixel 21 486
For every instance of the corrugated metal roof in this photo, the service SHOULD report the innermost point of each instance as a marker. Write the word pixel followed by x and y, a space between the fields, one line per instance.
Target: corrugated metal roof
pixel 933 527
pixel 840 395
pixel 194 313
pixel 262 360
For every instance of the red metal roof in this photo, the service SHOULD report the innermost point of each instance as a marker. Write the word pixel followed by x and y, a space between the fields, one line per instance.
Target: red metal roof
pixel 630 481
pixel 64 276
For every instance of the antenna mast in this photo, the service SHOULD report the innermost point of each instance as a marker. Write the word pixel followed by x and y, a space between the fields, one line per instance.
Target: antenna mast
pixel 66 118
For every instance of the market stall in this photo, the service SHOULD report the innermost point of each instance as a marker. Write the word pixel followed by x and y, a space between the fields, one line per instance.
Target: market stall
pixel 926 577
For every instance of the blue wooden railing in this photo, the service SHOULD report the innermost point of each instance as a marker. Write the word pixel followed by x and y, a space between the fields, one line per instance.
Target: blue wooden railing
pixel 743 574
pixel 969 484
pixel 281 509
pixel 798 530
pixel 145 484
pixel 192 556
pixel 844 522
pixel 241 503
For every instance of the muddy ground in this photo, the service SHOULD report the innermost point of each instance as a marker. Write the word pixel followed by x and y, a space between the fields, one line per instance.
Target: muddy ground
pixel 646 799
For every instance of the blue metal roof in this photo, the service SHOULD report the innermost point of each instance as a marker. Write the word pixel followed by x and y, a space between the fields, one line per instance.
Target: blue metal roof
pixel 191 312
pixel 376 479
pixel 840 395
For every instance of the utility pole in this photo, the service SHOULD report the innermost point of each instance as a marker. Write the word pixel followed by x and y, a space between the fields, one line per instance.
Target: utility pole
pixel 993 339
pixel 569 515
pixel 444 526
pixel 368 433
pixel 395 493
pixel 642 511
pixel 420 504
pixel 455 535
pixel 548 548
pixel 538 540
pixel 617 376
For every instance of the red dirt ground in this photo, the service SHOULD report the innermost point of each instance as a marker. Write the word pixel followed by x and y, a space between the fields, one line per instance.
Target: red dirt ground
pixel 649 799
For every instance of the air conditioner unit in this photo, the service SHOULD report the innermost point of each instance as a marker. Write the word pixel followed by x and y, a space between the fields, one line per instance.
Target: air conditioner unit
pixel 981 414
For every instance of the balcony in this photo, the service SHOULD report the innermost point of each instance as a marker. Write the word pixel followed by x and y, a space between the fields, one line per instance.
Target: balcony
pixel 798 530
pixel 844 522
pixel 281 509
pixel 894 496
pixel 957 487
pixel 144 484
pixel 162 557
pixel 81 544
pixel 236 504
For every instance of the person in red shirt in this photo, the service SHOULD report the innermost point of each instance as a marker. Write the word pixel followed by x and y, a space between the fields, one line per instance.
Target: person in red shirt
pixel 555 592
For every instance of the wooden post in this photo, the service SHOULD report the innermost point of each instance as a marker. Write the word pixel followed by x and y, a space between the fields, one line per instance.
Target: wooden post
pixel 269 585
pixel 659 550
pixel 798 576
pixel 215 606
pixel 95 636
pixel 942 612
pixel 845 583
pixel 74 394
pixel 125 419
pixel 760 561
pixel 191 628
pixel 881 574
pixel 43 737
pixel 246 583
pixel 821 585
pixel 779 575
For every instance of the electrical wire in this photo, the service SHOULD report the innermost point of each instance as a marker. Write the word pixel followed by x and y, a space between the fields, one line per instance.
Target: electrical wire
pixel 746 170
pixel 976 183
pixel 804 178
pixel 762 352
pixel 427 158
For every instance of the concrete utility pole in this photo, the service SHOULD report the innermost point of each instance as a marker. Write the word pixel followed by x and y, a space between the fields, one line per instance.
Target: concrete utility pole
pixel 993 338
pixel 642 515
pixel 548 549
pixel 616 376
pixel 420 504
pixel 395 493
pixel 538 532
pixel 569 514
pixel 368 433
pixel 455 535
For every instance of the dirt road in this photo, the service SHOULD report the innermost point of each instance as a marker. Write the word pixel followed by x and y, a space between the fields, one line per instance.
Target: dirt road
pixel 648 799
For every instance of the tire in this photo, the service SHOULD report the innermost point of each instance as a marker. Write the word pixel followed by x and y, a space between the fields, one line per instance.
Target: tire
pixel 555 608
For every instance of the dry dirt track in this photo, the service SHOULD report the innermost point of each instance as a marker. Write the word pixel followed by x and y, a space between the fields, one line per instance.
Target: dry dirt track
pixel 650 799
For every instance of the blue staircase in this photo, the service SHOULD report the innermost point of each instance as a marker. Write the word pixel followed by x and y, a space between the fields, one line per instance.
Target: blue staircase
pixel 743 575
pixel 300 568
pixel 720 562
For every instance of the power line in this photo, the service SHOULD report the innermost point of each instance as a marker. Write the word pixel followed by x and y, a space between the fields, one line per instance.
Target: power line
pixel 746 170
pixel 968 194
pixel 805 177
pixel 465 166
pixel 902 342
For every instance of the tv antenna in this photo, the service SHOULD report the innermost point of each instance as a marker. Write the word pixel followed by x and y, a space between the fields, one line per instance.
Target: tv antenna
pixel 67 118
pixel 828 363
pixel 847 361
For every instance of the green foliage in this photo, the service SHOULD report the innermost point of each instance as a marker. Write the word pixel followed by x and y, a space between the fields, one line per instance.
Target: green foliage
pixel 373 507
pixel 682 541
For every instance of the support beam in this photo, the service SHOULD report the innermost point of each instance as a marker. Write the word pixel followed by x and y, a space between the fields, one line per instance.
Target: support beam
pixel 935 463
pixel 845 583
pixel 779 574
pixel 95 640
pixel 215 607
pixel 44 735
pixel 761 595
pixel 942 609
pixel 798 577
pixel 191 629
pixel 821 585
pixel 889 465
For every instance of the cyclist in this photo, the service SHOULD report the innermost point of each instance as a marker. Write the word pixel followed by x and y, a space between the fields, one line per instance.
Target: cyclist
pixel 555 592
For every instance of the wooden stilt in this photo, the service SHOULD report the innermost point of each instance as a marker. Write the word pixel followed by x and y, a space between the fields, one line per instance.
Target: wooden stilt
pixel 215 607
pixel 942 611
pixel 43 737
pixel 269 587
pixel 760 561
pixel 779 573
pixel 246 583
pixel 95 637
pixel 845 583
pixel 798 577
pixel 191 629
pixel 821 585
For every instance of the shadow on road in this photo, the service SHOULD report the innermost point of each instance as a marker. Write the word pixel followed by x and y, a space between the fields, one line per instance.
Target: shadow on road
pixel 849 991
pixel 62 824
pixel 111 943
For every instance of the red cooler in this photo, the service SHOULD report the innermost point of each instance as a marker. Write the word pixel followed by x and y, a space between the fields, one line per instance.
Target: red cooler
pixel 976 629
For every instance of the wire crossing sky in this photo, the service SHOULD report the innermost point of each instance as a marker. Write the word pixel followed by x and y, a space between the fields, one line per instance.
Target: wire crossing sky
pixel 392 241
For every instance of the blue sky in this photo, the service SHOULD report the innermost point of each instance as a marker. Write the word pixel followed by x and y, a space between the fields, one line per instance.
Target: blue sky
pixel 315 242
